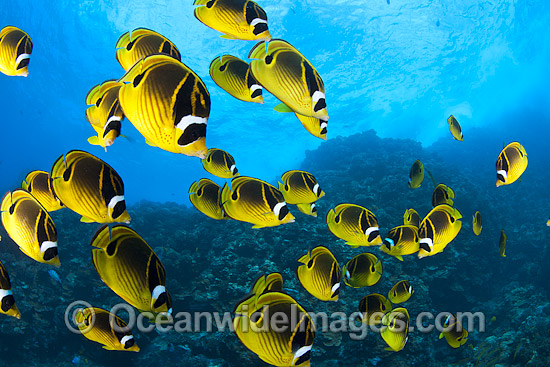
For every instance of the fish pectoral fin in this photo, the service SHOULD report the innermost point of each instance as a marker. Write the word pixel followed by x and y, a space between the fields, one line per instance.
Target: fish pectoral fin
pixel 352 245
pixel 258 226
pixel 283 108
pixel 149 143
pixel 86 220
pixel 94 140
pixel 108 347
pixel 228 37
pixel 399 257
pixel 440 335
pixel 389 349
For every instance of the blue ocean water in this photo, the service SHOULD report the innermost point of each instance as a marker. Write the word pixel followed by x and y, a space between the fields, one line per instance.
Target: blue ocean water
pixel 398 68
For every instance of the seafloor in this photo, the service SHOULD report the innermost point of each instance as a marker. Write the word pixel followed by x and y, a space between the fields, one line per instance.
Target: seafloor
pixel 210 265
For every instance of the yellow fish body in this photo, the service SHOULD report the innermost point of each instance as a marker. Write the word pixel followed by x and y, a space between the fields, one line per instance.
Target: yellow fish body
pixel 167 103
pixel 219 163
pixel 205 197
pixel 128 265
pixel 38 184
pixel 373 307
pixel 15 51
pixel 30 226
pixel 401 241
pixel 315 126
pixel 400 292
pixel 511 163
pixel 7 302
pixel 236 19
pixel 300 187
pixel 416 175
pixel 437 229
pixel 254 201
pixel 288 75
pixel 320 274
pixel 308 209
pixel 103 327
pixel 502 243
pixel 140 43
pixel 395 330
pixel 476 224
pixel 288 344
pixel 455 128
pixel 354 224
pixel 104 114
pixel 411 217
pixel 443 194
pixel 364 270
pixel 453 332
pixel 90 187
pixel 233 75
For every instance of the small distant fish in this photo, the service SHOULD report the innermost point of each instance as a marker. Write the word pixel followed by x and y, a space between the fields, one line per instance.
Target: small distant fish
pixel 454 333
pixel 411 217
pixel 395 330
pixel 364 270
pixel 401 241
pixel 53 274
pixel 15 51
pixel 320 275
pixel 400 292
pixel 140 43
pixel 30 226
pixel 455 128
pixel 354 224
pixel 476 223
pixel 300 187
pixel 416 175
pixel 7 302
pixel 443 194
pixel 98 325
pixel 233 75
pixel 255 201
pixel 438 229
pixel 219 163
pixel 205 197
pixel 511 163
pixel 38 184
pixel 502 243
pixel 236 19
pixel 373 307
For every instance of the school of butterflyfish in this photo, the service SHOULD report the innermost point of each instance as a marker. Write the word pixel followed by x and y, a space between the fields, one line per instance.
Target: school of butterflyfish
pixel 169 104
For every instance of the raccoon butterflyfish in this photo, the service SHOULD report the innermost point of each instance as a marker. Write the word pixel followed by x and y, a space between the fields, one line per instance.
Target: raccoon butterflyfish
pixel 320 275
pixel 39 185
pixel 315 126
pixel 476 223
pixel 354 224
pixel 511 163
pixel 401 241
pixel 437 229
pixel 167 103
pixel 300 187
pixel 455 128
pixel 411 217
pixel 233 75
pixel 90 187
pixel 104 114
pixel 128 265
pixel 416 175
pixel 236 19
pixel 502 243
pixel 288 75
pixel 30 226
pixel 258 326
pixel 254 201
pixel 7 302
pixel 205 197
pixel 395 329
pixel 308 209
pixel 453 332
pixel 15 51
pixel 264 283
pixel 400 292
pixel 443 194
pixel 140 43
pixel 219 163
pixel 373 307
pixel 103 327
pixel 364 270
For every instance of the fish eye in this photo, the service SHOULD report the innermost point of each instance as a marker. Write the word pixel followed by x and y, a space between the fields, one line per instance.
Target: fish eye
pixel 199 191
pixel 286 187
pixel 259 28
pixel 310 263
pixel 283 213
pixel 50 253
pixel 268 59
pixel 98 102
pixel 7 302
pixel 210 4
pixel 373 235
pixel 119 209
pixel 12 208
pixel 234 195
pixel 255 316
pixel 161 300
pixel 23 63
pixel 223 67
pixel 66 175
pixel 138 79
pixel 129 343
pixel 166 48
pixel 337 219
pixel 111 247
